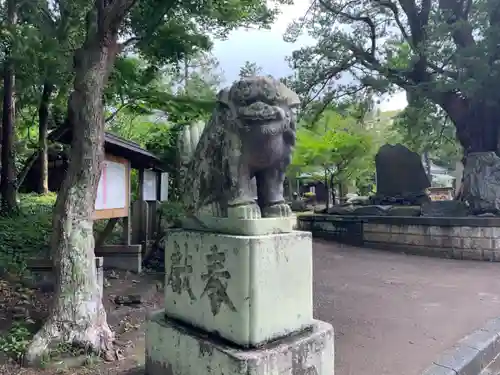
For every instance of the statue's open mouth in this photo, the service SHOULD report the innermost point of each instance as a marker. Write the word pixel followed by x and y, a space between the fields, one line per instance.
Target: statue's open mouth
pixel 259 113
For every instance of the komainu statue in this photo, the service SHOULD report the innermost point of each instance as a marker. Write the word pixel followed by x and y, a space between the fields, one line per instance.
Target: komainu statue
pixel 248 141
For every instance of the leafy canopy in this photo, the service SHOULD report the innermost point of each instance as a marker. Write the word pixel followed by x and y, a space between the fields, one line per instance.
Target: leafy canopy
pixel 337 146
pixel 445 51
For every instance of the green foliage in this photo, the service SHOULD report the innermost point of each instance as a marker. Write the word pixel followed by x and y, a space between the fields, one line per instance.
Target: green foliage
pixel 163 142
pixel 336 145
pixel 171 213
pixel 445 52
pixel 169 31
pixel 27 233
pixel 199 78
pixel 163 34
pixel 426 129
pixel 16 340
pixel 250 69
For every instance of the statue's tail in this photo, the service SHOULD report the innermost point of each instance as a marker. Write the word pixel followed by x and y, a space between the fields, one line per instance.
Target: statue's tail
pixel 188 140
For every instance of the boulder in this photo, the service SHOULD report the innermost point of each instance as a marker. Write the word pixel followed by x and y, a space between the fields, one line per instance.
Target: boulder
pixel 400 175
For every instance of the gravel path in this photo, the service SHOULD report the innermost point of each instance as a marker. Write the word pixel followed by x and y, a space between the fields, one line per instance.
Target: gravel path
pixel 394 313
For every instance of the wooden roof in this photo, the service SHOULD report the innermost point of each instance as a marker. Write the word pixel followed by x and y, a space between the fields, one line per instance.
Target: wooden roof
pixel 139 157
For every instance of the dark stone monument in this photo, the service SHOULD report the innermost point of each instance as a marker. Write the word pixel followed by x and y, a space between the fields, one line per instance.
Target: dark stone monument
pixel 401 178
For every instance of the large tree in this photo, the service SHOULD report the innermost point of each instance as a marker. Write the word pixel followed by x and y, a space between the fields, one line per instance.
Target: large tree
pixel 445 51
pixel 163 31
pixel 77 315
pixel 8 169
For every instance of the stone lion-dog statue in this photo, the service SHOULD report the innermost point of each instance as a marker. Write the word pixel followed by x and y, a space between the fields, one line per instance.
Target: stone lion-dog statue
pixel 248 141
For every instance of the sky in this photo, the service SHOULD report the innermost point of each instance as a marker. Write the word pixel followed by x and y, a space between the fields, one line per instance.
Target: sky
pixel 268 50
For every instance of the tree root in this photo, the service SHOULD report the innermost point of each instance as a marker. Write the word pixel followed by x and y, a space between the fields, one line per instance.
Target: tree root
pixel 97 338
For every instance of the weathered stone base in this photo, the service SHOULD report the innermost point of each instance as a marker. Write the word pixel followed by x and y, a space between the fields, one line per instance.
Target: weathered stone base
pixel 247 289
pixel 243 227
pixel 174 349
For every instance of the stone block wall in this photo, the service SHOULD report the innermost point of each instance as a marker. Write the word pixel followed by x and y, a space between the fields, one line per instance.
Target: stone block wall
pixel 477 243
pixel 457 238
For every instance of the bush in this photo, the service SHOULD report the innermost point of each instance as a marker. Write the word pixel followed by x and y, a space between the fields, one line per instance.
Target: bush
pixel 28 232
pixel 171 213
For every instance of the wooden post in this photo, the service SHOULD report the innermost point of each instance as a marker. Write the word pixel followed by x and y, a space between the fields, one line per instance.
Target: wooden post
pixel 150 228
pixel 158 186
pixel 140 196
pixel 137 211
pixel 126 222
pixel 140 222
pixel 105 233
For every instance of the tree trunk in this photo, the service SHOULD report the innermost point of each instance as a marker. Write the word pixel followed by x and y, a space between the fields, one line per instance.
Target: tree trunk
pixel 327 203
pixel 77 315
pixel 476 123
pixel 331 187
pixel 43 144
pixel 477 130
pixel 8 174
pixel 427 162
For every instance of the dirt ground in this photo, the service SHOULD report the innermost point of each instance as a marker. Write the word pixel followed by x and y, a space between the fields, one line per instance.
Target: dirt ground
pixel 28 305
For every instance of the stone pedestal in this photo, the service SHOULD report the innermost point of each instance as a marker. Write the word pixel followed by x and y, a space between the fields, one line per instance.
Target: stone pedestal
pixel 174 349
pixel 247 289
pixel 238 304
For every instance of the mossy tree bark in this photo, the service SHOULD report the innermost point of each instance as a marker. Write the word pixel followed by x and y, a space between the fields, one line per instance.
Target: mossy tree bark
pixel 8 171
pixel 77 315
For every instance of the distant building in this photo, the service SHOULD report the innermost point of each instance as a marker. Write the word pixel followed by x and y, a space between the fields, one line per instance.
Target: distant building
pixel 440 176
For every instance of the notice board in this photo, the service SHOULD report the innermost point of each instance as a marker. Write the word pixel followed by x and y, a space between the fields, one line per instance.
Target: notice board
pixel 113 191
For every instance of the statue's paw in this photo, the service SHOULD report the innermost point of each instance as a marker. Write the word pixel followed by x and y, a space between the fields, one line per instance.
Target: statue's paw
pixel 277 210
pixel 248 212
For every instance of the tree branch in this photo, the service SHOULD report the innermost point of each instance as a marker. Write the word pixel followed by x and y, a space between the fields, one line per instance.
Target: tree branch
pixel 325 78
pixel 110 14
pixel 365 19
pixel 395 11
pixel 152 28
pixel 416 21
pixel 120 108
pixel 442 71
pixel 456 16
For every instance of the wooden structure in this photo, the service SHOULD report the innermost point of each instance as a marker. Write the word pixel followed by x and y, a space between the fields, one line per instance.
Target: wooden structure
pixel 114 201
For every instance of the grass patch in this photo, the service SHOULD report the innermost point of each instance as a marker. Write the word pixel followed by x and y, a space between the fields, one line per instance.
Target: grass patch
pixel 28 231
